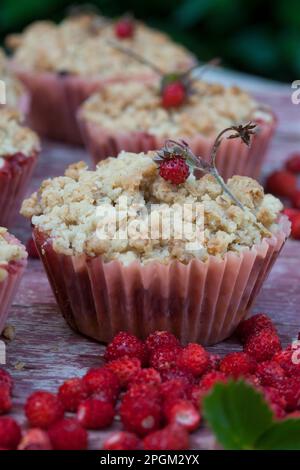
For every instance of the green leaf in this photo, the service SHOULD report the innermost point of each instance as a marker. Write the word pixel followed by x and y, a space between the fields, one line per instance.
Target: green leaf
pixel 283 435
pixel 237 414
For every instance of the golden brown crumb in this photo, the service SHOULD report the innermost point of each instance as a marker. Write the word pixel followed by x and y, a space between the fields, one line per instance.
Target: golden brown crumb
pixel 9 251
pixel 14 89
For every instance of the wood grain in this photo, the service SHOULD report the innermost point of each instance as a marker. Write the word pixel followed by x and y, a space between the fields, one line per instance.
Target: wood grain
pixel 51 352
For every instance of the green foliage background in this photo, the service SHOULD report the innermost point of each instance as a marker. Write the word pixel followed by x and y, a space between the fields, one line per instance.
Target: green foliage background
pixel 256 36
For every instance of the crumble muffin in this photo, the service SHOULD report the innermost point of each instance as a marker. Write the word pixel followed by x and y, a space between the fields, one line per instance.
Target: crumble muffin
pixel 145 281
pixel 15 91
pixel 12 264
pixel 63 64
pixel 19 148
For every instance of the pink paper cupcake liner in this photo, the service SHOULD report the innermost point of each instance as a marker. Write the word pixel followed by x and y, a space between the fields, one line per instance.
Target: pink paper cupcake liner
pixel 9 286
pixel 14 179
pixel 55 99
pixel 200 301
pixel 234 157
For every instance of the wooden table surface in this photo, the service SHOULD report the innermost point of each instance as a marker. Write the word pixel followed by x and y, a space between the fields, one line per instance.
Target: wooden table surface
pixel 45 351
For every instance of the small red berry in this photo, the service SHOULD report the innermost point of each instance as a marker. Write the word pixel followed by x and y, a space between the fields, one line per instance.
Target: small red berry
pixel 289 387
pixel 290 212
pixel 173 95
pixel 211 378
pixel 175 170
pixel 286 359
pixel 95 414
pixel 6 378
pixel 295 199
pixel 122 440
pixel 10 433
pixel 295 231
pixel 146 376
pixel 175 372
pixel 184 413
pixel 196 395
pixel 104 381
pixel 125 368
pixel 71 393
pixel 43 409
pixel 173 389
pixel 293 163
pixel 263 345
pixel 194 359
pixel 164 358
pixel 172 437
pixel 160 339
pixel 35 439
pixel 31 249
pixel 270 373
pixel 281 183
pixel 140 415
pixel 125 344
pixel 237 364
pixel 68 434
pixel 275 400
pixel 253 325
pixel 143 390
pixel 124 28
pixel 5 399
pixel 214 362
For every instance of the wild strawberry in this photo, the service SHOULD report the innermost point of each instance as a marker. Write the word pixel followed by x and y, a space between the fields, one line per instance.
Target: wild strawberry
pixel 293 163
pixel 281 183
pixel 194 359
pixel 253 325
pixel 43 409
pixel 290 212
pixel 285 359
pixel 5 399
pixel 95 414
pixel 275 400
pixel 295 199
pixel 160 339
pixel 175 170
pixel 175 372
pixel 263 345
pixel 6 378
pixel 270 373
pixel 35 439
pixel 68 434
pixel 146 376
pixel 295 231
pixel 173 389
pixel 184 413
pixel 125 344
pixel 172 437
pixel 211 378
pixel 214 362
pixel 124 28
pixel 196 394
pixel 31 249
pixel 253 380
pixel 10 433
pixel 104 381
pixel 140 415
pixel 71 393
pixel 125 368
pixel 143 390
pixel 173 94
pixel 122 440
pixel 164 358
pixel 237 364
pixel 289 387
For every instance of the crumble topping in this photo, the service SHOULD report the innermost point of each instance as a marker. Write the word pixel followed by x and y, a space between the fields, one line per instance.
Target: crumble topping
pixel 70 210
pixel 14 137
pixel 13 87
pixel 80 45
pixel 133 107
pixel 9 251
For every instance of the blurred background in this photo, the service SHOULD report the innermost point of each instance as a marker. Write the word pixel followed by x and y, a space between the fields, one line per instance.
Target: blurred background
pixel 254 36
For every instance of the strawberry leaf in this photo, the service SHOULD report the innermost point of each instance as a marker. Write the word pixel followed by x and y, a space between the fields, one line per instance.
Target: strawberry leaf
pixel 237 414
pixel 283 435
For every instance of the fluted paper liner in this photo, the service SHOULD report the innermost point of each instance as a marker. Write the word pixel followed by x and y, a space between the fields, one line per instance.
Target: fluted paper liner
pixel 200 301
pixel 9 286
pixel 234 157
pixel 13 185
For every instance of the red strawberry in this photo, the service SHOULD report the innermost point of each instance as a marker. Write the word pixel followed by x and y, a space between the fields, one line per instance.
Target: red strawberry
pixel 295 233
pixel 270 373
pixel 164 358
pixel 6 378
pixel 5 399
pixel 175 170
pixel 173 94
pixel 293 163
pixel 295 199
pixel 290 212
pixel 143 390
pixel 172 437
pixel 184 413
pixel 140 415
pixel 288 359
pixel 146 376
pixel 121 440
pixel 173 389
pixel 125 369
pixel 95 414
pixel 276 401
pixel 10 433
pixel 104 381
pixel 281 183
pixel 237 364
pixel 68 434
pixel 125 344
pixel 253 325
pixel 71 393
pixel 194 359
pixel 160 339
pixel 35 439
pixel 289 388
pixel 211 378
pixel 263 345
pixel 43 409
pixel 175 372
